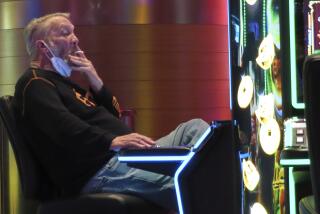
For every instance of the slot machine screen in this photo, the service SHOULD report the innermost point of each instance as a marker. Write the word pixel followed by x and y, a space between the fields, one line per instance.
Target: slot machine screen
pixel 301 26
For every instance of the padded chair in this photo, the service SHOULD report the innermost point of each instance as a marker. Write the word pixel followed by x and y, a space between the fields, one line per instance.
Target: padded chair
pixel 311 93
pixel 36 186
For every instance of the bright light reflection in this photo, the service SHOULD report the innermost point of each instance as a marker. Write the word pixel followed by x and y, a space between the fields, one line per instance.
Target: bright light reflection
pixel 266 53
pixel 257 208
pixel 270 136
pixel 245 92
pixel 265 110
pixel 151 158
pixel 250 175
pixel 251 2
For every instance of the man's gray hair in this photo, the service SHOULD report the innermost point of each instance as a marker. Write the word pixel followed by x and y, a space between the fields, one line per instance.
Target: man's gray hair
pixel 36 29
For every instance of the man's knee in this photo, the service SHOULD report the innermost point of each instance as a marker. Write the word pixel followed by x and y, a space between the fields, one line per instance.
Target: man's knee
pixel 198 122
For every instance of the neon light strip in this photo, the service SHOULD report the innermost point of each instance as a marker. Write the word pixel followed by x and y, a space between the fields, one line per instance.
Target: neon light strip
pixel 310 29
pixel 288 140
pixel 176 181
pixel 229 59
pixel 295 162
pixel 292 192
pixel 240 25
pixel 293 61
pixel 264 18
pixel 244 155
pixel 151 158
pixel 244 23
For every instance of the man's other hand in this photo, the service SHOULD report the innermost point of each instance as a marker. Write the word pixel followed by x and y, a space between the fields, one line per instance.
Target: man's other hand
pixel 131 141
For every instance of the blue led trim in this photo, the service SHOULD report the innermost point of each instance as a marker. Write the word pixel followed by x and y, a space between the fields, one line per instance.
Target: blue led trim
pixel 229 59
pixel 244 155
pixel 151 158
pixel 292 192
pixel 176 181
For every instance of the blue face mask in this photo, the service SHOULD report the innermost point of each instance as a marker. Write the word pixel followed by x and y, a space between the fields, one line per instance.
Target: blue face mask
pixel 59 64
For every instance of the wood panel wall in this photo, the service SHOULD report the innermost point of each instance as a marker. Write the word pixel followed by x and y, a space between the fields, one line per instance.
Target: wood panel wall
pixel 170 65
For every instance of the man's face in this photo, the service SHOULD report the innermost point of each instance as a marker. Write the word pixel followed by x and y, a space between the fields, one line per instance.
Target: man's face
pixel 61 37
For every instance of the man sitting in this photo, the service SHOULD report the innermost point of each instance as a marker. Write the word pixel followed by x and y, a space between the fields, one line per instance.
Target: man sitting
pixel 75 134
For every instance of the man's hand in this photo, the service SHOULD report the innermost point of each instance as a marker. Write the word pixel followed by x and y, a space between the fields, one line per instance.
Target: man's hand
pixel 131 141
pixel 85 66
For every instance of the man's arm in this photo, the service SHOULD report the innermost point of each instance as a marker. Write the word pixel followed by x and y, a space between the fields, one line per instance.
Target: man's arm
pixel 106 99
pixel 45 110
pixel 103 97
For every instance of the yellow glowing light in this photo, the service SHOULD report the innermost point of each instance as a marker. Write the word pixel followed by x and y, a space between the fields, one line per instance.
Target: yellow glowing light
pixel 250 175
pixel 143 12
pixel 245 91
pixel 270 136
pixel 265 110
pixel 257 208
pixel 251 2
pixel 266 53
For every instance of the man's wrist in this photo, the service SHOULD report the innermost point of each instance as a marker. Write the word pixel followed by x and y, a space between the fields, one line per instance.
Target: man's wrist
pixel 96 86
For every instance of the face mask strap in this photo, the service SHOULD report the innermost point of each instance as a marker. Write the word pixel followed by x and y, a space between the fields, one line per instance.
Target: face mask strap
pixel 45 44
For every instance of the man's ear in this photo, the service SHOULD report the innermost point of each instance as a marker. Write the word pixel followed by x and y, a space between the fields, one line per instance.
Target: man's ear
pixel 41 47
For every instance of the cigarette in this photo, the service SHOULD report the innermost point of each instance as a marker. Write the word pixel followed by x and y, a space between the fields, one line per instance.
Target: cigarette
pixel 78 52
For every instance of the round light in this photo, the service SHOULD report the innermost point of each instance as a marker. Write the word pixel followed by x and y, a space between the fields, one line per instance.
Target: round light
pixel 257 208
pixel 265 110
pixel 250 175
pixel 266 53
pixel 251 2
pixel 270 136
pixel 245 92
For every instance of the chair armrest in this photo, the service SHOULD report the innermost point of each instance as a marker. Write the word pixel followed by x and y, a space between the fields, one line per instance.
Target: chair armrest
pixel 128 117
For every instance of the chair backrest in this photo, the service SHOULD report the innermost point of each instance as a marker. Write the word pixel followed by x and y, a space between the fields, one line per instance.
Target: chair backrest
pixel 311 93
pixel 34 183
